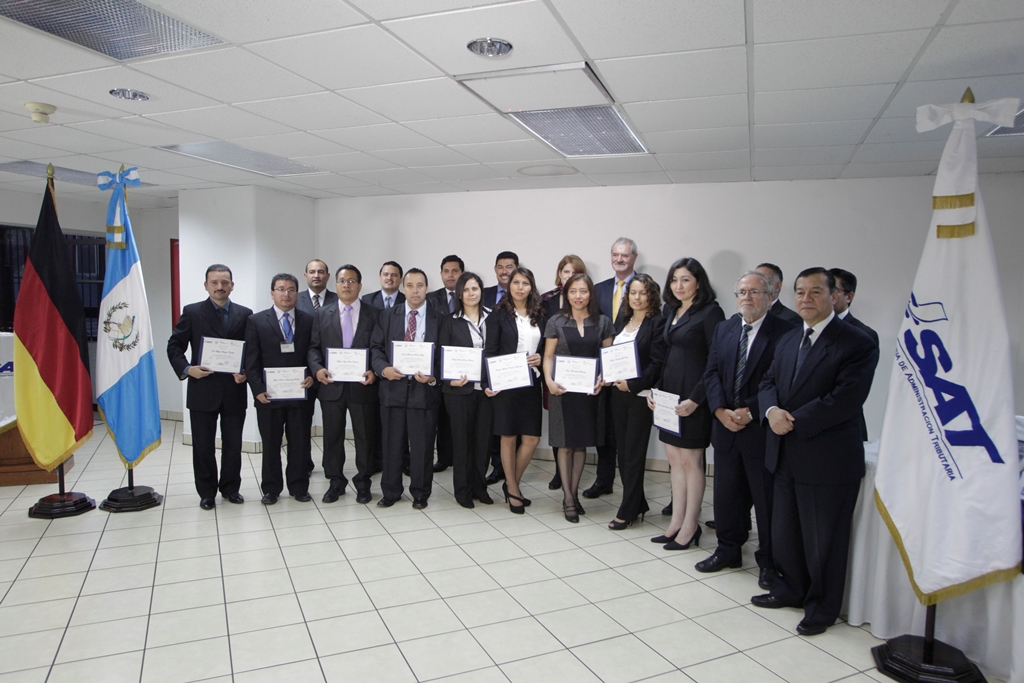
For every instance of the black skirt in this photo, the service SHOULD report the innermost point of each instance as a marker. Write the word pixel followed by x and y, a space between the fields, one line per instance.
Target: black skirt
pixel 517 412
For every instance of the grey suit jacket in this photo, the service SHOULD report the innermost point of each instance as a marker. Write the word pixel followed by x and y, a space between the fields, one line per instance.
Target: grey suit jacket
pixel 304 302
pixel 327 334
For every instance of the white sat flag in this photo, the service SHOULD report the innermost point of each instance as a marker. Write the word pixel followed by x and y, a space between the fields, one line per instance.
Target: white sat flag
pixel 947 463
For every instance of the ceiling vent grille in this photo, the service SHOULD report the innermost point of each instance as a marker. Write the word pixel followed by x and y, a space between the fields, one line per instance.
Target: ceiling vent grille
pixel 65 175
pixel 582 131
pixel 236 156
pixel 1016 129
pixel 122 29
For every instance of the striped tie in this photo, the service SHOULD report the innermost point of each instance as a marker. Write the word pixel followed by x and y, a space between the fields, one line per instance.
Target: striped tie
pixel 316 301
pixel 741 362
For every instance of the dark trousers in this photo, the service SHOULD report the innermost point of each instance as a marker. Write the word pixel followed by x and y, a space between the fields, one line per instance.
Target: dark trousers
pixel 415 427
pixel 811 527
pixel 445 443
pixel 366 427
pixel 606 453
pixel 204 457
pixel 275 423
pixel 470 416
pixel 741 478
pixel 632 420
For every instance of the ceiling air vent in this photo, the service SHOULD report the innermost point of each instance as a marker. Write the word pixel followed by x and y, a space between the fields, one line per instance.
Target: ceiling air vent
pixel 1016 129
pixel 66 175
pixel 246 159
pixel 122 29
pixel 582 131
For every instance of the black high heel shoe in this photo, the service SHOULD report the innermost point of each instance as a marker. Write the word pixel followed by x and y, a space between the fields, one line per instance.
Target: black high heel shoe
pixel 579 507
pixel 665 539
pixel 694 540
pixel 514 509
pixel 616 525
pixel 570 514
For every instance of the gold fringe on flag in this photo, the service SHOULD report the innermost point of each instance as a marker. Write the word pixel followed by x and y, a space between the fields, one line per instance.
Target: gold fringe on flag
pixel 953 201
pixel 945 232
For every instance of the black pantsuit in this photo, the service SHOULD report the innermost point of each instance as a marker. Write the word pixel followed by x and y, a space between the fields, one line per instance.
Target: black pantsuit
pixel 471 435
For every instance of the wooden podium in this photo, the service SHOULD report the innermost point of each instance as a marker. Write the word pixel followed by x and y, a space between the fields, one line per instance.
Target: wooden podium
pixel 17 468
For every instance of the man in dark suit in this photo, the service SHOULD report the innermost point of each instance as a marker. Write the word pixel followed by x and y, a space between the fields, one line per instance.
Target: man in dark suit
pixel 741 352
pixel 347 323
pixel 443 301
pixel 408 403
pixel 504 264
pixel 388 294
pixel 316 293
pixel 774 275
pixel 846 290
pixel 212 394
pixel 812 397
pixel 279 338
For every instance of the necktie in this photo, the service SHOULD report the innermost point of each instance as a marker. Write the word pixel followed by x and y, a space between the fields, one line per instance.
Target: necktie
pixel 387 301
pixel 223 312
pixel 498 295
pixel 451 302
pixel 617 299
pixel 805 347
pixel 316 301
pixel 346 328
pixel 286 323
pixel 741 362
pixel 410 327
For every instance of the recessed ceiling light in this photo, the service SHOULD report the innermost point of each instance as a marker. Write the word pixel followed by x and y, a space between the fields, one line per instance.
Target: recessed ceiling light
pixel 489 47
pixel 582 131
pixel 129 94
pixel 547 170
pixel 999 131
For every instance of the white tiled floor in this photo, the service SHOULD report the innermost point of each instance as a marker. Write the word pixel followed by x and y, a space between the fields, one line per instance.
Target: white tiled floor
pixel 348 592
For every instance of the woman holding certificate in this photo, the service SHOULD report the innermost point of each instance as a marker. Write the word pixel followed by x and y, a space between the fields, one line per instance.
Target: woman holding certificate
pixel 691 313
pixel 642 327
pixel 574 338
pixel 468 408
pixel 514 334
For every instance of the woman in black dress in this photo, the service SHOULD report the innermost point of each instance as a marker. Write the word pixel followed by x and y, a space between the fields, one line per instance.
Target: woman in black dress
pixel 691 313
pixel 575 421
pixel 515 327
pixel 641 322
pixel 468 408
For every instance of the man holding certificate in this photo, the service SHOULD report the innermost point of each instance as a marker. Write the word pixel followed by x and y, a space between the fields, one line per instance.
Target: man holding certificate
pixel 339 359
pixel 276 348
pixel 215 324
pixel 403 351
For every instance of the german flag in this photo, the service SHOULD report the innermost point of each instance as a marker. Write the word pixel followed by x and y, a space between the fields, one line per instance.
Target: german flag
pixel 52 390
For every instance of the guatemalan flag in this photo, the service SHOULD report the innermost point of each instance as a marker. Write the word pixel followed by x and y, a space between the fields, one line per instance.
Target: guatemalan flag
pixel 126 388
pixel 947 479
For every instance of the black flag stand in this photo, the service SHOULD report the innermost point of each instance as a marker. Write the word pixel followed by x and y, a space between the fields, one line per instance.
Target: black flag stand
pixel 925 660
pixel 131 498
pixel 61 504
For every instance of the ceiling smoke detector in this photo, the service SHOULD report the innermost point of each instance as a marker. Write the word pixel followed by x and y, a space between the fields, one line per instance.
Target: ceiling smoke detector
pixel 129 94
pixel 489 47
pixel 40 111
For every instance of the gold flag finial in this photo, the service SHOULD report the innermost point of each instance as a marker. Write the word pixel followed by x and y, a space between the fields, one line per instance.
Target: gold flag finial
pixel 968 97
pixel 122 169
pixel 49 171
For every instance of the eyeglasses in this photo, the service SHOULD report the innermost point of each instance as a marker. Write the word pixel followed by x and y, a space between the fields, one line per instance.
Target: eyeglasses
pixel 290 290
pixel 348 282
pixel 749 292
pixel 844 291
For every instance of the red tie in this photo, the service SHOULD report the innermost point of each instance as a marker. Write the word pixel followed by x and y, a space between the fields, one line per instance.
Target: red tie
pixel 410 328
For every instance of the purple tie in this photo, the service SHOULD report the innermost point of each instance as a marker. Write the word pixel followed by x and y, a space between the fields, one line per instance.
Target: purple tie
pixel 346 328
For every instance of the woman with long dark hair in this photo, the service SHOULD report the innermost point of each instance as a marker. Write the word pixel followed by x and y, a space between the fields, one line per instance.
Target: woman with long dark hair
pixel 575 421
pixel 515 327
pixel 691 315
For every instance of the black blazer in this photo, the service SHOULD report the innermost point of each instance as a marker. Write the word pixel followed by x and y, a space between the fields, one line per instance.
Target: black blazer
pixel 439 300
pixel 219 390
pixel 688 343
pixel 503 336
pixel 327 334
pixel 650 346
pixel 605 290
pixel 780 311
pixel 304 302
pixel 720 374
pixel 376 299
pixel 263 339
pixel 405 392
pixel 825 399
pixel 455 332
pixel 489 296
pixel 850 320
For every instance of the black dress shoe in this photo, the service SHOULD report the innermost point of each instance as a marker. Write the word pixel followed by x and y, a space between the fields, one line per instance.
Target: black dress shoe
pixel 810 628
pixel 555 483
pixel 303 497
pixel 484 498
pixel 269 498
pixel 597 491
pixel 463 503
pixel 667 510
pixel 235 498
pixel 710 524
pixel 333 493
pixel 421 502
pixel 439 467
pixel 207 503
pixel 406 471
pixel 718 562
pixel 496 475
pixel 386 502
pixel 769 601
pixel 363 497
pixel 765 578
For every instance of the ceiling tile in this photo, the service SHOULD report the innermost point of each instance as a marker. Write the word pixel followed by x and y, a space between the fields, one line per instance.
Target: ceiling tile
pixel 139 130
pixel 330 181
pixel 148 157
pixel 781 20
pixel 15 121
pixel 392 9
pixel 490 184
pixel 915 93
pixel 29 150
pixel 518 150
pixel 243 21
pixel 95 86
pixel 220 173
pixel 313 112
pixel 676 76
pixel 461 172
pixel 366 191
pixel 974 50
pixel 612 28
pixel 426 188
pixel 344 163
pixel 510 169
pixel 546 90
pixel 422 156
pixel 536 36
pixel 890 170
pixel 391 176
pixel 810 134
pixel 222 122
pixel 13 97
pixel 555 181
pixel 705 161
pixel 163 179
pixel 30 54
pixel 923 150
pixel 802 156
pixel 857 60
pixel 698 112
pixel 349 58
pixel 372 138
pixel 83 162
pixel 469 129
pixel 68 138
pixel 902 129
pixel 651 178
pixel 228 75
pixel 728 175
pixel 797 172
pixel 823 104
pixel 290 145
pixel 437 98
pixel 974 11
pixel 1001 165
pixel 701 140
pixel 638 163
pixel 1008 146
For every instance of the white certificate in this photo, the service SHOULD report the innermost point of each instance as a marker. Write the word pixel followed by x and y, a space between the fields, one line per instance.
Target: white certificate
pixel 221 355
pixel 285 384
pixel 620 361
pixel 665 417
pixel 576 374
pixel 508 372
pixel 412 357
pixel 347 365
pixel 461 361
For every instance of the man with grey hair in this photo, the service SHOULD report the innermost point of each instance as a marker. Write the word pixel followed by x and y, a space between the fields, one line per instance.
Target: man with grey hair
pixel 774 275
